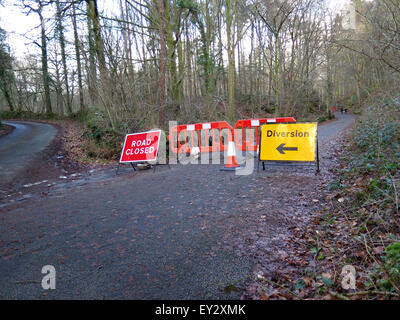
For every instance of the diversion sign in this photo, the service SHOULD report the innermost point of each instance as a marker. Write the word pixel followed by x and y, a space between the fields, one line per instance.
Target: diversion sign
pixel 140 147
pixel 288 142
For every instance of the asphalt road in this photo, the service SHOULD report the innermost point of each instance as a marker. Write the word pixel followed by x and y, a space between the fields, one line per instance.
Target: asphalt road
pixel 18 148
pixel 142 235
pixel 330 129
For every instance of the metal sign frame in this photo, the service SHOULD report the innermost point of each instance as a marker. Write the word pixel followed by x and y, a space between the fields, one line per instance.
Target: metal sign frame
pixel 292 163
pixel 135 164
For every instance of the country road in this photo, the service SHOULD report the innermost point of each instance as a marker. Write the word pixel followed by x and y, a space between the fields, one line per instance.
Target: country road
pixel 18 148
pixel 189 232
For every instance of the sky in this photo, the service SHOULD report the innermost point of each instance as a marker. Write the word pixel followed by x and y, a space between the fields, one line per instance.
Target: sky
pixel 16 23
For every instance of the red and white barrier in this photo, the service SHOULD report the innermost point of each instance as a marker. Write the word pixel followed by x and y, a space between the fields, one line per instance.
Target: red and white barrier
pixel 207 137
pixel 251 126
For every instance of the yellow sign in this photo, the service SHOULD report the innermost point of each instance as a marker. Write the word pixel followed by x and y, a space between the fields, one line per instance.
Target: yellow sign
pixel 288 142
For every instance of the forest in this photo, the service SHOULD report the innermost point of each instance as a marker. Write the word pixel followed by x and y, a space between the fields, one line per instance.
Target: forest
pixel 124 66
pixel 145 62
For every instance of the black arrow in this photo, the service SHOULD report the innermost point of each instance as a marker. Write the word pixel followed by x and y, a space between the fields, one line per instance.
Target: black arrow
pixel 282 148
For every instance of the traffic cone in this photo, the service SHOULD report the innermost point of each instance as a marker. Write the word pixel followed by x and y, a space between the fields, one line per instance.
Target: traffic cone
pixel 231 163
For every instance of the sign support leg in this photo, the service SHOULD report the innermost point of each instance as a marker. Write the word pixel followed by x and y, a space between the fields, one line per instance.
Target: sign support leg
pixel 259 150
pixel 118 168
pixel 159 164
pixel 177 146
pixel 318 171
pixel 119 165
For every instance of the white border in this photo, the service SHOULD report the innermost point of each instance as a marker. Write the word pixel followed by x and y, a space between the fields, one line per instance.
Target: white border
pixel 132 134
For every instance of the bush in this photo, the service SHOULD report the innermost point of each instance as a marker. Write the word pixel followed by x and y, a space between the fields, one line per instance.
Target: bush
pixel 392 263
pixel 104 142
pixel 27 115
pixel 375 157
pixel 19 115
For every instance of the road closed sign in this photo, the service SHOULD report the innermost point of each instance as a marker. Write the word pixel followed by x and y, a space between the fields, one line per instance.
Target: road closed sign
pixel 140 147
pixel 288 142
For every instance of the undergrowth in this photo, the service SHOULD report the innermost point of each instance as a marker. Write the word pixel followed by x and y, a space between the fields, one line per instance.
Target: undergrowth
pixel 361 224
pixel 358 225
pixel 102 141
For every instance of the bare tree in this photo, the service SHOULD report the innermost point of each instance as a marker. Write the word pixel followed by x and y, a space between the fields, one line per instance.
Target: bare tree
pixel 37 6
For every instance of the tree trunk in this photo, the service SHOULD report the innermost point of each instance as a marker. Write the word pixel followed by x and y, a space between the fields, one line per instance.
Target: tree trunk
pixel 61 39
pixel 276 74
pixel 230 31
pixel 78 60
pixel 163 50
pixel 92 76
pixel 105 83
pixel 45 69
pixel 8 99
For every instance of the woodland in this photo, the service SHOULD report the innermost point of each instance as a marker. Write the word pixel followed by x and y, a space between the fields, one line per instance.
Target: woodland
pixel 144 62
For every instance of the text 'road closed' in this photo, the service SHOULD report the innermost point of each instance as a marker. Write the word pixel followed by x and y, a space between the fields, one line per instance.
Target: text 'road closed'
pixel 140 147
pixel 288 142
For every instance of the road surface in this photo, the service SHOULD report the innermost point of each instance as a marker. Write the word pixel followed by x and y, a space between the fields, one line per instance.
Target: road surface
pixel 179 233
pixel 18 148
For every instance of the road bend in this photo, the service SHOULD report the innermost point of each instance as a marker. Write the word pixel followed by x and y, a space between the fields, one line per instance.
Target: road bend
pixel 18 148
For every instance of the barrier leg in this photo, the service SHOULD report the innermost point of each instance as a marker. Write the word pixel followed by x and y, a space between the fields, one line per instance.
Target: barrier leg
pixel 318 171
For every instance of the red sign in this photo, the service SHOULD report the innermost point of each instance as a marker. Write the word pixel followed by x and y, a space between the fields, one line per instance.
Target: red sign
pixel 140 147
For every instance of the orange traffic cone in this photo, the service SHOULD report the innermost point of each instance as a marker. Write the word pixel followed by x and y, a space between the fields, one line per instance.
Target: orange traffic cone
pixel 231 163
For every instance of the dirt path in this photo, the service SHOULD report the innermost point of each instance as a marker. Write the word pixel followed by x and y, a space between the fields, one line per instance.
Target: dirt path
pixel 191 232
